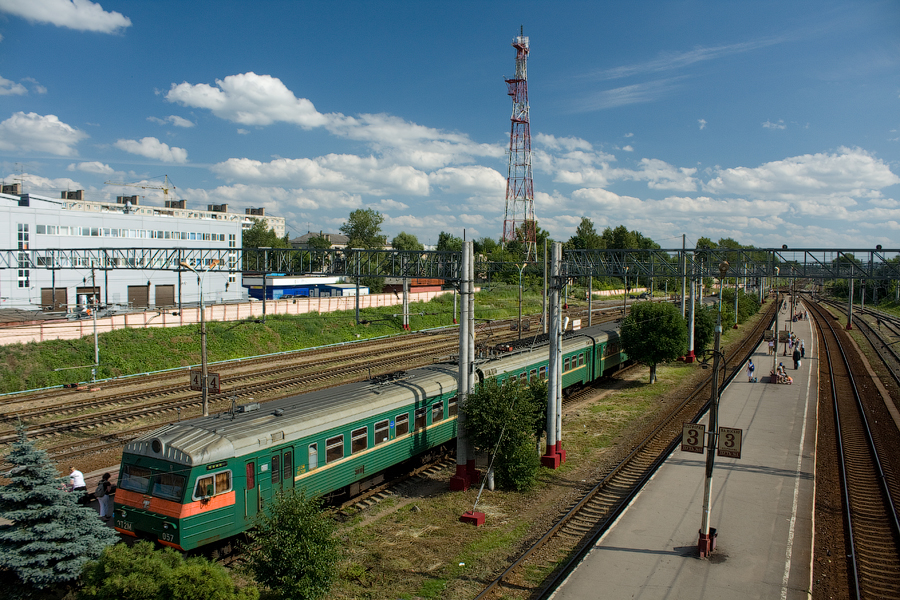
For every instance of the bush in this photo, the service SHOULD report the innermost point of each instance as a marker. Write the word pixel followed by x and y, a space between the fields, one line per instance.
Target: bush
pixel 140 572
pixel 293 550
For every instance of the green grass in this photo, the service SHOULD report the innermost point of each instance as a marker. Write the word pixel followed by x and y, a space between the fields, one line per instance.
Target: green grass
pixel 132 351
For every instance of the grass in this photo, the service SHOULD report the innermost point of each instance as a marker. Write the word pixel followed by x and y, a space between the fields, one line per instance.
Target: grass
pixel 130 351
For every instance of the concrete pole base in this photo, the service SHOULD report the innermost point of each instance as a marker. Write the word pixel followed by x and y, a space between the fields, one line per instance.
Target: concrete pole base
pixel 551 458
pixel 690 357
pixel 460 482
pixel 472 518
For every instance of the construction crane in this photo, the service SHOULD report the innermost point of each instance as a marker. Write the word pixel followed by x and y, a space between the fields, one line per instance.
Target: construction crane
pixel 165 187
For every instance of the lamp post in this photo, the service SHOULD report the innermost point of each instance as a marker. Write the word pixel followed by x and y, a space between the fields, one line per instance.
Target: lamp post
pixel 522 268
pixel 204 375
pixel 707 538
pixel 775 347
pixel 625 296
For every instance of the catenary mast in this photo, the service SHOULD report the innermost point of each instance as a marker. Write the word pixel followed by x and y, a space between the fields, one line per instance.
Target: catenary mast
pixel 519 223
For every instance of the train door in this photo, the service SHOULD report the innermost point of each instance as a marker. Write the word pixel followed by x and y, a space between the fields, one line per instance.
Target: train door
pixel 251 490
pixel 287 468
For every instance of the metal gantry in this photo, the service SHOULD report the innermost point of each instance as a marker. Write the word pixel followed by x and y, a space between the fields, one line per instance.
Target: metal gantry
pixel 657 264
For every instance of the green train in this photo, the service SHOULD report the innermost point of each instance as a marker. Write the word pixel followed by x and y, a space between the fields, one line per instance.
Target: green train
pixel 199 482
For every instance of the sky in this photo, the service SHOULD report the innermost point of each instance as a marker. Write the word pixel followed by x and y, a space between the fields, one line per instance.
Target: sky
pixel 768 122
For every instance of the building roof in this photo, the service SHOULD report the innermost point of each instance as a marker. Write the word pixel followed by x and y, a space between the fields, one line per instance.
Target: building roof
pixel 336 239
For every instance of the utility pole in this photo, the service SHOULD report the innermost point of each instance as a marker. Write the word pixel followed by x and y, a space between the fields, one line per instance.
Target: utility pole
pixel 706 543
pixel 204 374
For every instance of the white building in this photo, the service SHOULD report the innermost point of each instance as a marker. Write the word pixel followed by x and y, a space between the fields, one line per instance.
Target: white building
pixel 37 222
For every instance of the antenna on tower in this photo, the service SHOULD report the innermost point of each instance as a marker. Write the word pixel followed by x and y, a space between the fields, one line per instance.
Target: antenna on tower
pixel 519 223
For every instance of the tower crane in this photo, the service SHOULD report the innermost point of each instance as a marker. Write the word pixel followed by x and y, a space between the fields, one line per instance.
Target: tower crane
pixel 165 187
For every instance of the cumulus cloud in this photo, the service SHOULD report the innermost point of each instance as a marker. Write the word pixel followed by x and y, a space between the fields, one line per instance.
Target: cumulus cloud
pixel 11 88
pixel 248 99
pixel 82 15
pixel 151 147
pixel 24 132
pixel 388 204
pixel 702 123
pixel 779 125
pixel 92 167
pixel 628 148
pixel 469 179
pixel 45 186
pixel 173 119
pixel 848 172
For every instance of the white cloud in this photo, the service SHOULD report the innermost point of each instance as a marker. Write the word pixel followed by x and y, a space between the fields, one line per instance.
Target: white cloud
pixel 44 186
pixel 702 123
pixel 242 131
pixel 779 125
pixel 38 88
pixel 469 179
pixel 92 167
pixel 628 148
pixel 40 133
pixel 563 143
pixel 388 204
pixel 628 135
pixel 249 99
pixel 173 119
pixel 850 172
pixel 11 88
pixel 648 91
pixel 81 15
pixel 151 147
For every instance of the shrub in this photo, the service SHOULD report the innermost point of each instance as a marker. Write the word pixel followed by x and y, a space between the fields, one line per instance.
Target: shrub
pixel 140 572
pixel 292 549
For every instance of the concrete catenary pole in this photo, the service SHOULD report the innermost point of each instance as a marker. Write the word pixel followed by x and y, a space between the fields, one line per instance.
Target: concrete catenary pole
pixel 472 473
pixel 551 457
pixel 460 481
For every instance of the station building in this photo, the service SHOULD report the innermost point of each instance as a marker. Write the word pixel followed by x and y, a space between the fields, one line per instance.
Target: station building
pixel 71 222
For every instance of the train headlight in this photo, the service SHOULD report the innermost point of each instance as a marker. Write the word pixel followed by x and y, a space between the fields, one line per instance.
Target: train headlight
pixel 165 525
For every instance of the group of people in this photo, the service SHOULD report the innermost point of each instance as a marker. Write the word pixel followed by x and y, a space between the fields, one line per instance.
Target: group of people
pixel 102 492
pixel 781 375
pixel 801 315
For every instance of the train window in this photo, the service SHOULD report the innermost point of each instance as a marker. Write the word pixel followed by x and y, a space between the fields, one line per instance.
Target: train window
pixel 421 416
pixel 204 488
pixel 288 466
pixel 251 475
pixel 313 457
pixel 532 374
pixel 223 482
pixel 276 468
pixel 543 372
pixel 135 479
pixel 168 486
pixel 566 365
pixel 453 408
pixel 437 412
pixel 523 376
pixel 581 359
pixel 402 426
pixel 334 449
pixel 359 440
pixel 382 431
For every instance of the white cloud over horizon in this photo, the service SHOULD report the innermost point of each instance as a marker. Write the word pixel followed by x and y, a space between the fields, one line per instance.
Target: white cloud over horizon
pixel 31 132
pixel 150 147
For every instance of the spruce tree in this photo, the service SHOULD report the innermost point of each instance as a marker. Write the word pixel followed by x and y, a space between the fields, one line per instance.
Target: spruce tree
pixel 51 536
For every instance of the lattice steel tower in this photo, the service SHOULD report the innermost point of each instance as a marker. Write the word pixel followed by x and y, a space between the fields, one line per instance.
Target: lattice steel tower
pixel 519 223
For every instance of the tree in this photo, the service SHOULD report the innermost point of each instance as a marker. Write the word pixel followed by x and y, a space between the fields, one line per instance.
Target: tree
pixel 319 242
pixel 140 572
pixel 586 237
pixel 292 549
pixel 449 243
pixel 363 227
pixel 51 537
pixel 704 327
pixel 654 333
pixel 260 236
pixel 513 416
pixel 406 241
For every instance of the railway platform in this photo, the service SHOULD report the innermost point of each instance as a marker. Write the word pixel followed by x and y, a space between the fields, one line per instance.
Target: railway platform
pixel 762 504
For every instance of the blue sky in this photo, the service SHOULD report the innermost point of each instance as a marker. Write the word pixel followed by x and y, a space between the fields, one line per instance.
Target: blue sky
pixel 769 122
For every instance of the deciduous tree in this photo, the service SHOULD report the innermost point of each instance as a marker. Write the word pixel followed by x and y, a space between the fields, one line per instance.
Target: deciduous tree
pixel 654 333
pixel 406 241
pixel 363 227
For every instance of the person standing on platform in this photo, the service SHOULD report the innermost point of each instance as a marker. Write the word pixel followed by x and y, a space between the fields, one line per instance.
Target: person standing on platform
pixel 102 494
pixel 771 346
pixel 802 350
pixel 750 369
pixel 796 357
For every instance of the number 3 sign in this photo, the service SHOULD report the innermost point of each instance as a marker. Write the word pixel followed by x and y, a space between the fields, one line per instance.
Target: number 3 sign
pixel 693 435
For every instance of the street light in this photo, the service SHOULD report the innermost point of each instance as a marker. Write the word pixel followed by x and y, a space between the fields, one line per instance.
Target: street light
pixel 707 541
pixel 522 268
pixel 204 375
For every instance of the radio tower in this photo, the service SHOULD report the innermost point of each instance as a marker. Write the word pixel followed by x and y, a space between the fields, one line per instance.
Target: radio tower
pixel 519 223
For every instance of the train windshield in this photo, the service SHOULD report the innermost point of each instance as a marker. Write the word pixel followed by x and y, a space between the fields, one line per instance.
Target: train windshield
pixel 168 486
pixel 135 479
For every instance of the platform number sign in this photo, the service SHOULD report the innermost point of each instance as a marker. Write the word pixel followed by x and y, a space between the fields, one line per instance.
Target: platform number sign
pixel 197 381
pixel 693 436
pixel 729 442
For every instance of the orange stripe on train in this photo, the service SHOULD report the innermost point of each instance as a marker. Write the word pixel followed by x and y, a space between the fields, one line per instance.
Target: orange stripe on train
pixel 173 509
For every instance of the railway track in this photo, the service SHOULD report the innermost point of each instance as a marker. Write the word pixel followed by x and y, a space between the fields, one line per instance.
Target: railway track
pixel 869 488
pixel 575 532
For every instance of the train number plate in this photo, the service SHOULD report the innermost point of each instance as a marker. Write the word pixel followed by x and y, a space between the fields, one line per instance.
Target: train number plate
pixel 167 537
pixel 124 525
